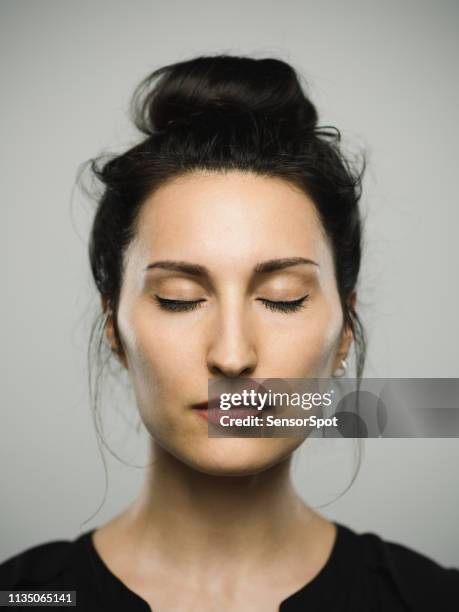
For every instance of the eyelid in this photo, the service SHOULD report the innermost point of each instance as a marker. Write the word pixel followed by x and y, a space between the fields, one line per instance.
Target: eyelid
pixel 177 304
pixel 178 301
pixel 284 305
pixel 275 305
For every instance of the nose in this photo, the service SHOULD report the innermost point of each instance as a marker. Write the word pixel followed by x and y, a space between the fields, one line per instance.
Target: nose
pixel 231 350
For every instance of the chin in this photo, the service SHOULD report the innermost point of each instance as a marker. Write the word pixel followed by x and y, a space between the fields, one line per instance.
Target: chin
pixel 240 456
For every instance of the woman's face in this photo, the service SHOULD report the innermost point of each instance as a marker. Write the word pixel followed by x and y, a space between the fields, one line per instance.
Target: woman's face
pixel 225 225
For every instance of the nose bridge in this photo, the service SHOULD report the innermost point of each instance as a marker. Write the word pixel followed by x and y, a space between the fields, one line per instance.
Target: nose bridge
pixel 232 349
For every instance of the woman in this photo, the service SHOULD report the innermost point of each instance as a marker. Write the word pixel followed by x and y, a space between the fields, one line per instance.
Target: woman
pixel 227 244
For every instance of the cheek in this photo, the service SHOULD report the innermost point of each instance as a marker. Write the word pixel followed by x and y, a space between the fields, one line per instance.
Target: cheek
pixel 150 346
pixel 149 352
pixel 307 346
pixel 160 356
pixel 166 352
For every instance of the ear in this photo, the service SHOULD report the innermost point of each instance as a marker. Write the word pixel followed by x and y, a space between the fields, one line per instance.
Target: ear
pixel 111 334
pixel 347 337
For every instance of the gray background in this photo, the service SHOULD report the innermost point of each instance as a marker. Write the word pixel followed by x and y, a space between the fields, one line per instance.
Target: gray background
pixel 386 74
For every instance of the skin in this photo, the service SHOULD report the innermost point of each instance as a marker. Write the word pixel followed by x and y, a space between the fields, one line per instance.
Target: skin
pixel 214 510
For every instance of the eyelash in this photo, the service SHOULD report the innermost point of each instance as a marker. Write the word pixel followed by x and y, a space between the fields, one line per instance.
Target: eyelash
pixel 186 306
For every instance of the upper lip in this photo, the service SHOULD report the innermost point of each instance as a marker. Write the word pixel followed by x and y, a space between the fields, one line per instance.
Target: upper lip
pixel 236 387
pixel 201 406
pixel 215 404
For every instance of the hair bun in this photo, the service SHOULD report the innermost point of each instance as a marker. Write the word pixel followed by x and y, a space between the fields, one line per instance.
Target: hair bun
pixel 222 85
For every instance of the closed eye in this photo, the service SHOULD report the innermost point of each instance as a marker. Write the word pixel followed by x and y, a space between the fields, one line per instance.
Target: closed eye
pixel 177 305
pixel 187 305
pixel 291 306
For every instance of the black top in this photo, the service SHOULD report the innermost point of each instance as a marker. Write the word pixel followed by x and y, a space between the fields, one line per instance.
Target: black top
pixel 363 574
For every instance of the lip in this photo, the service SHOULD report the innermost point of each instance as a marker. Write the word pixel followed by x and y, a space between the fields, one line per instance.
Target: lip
pixel 214 404
pixel 213 415
pixel 212 412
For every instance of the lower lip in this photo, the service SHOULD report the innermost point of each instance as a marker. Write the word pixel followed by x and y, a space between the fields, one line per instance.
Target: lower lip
pixel 214 414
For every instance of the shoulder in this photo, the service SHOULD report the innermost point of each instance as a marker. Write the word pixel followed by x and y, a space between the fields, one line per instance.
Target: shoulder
pixel 40 565
pixel 419 582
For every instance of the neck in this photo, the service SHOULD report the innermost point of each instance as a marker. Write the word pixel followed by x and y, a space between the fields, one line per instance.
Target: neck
pixel 207 518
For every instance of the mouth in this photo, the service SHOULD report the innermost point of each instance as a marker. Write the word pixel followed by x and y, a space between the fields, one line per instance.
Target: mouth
pixel 212 412
pixel 214 404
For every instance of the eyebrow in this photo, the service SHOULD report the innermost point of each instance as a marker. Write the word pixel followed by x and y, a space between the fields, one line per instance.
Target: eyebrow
pixel 264 267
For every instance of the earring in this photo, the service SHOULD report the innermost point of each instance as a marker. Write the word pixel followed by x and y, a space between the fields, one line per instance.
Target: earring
pixel 338 373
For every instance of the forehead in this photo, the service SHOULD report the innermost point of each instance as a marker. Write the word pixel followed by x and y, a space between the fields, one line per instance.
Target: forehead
pixel 234 216
pixel 209 202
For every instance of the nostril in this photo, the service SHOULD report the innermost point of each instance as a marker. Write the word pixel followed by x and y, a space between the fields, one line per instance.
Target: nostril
pixel 231 371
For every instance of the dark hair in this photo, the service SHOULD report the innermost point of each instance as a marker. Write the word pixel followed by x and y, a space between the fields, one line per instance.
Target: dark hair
pixel 223 113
